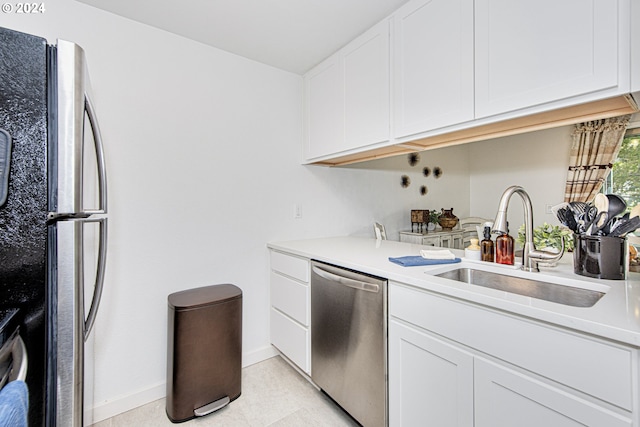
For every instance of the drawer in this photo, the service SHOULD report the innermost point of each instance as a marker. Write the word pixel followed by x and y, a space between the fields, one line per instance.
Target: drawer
pixel 290 297
pixel 291 266
pixel 291 339
pixel 595 367
pixel 411 238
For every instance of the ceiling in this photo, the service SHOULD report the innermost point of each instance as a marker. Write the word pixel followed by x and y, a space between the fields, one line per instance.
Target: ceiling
pixel 292 35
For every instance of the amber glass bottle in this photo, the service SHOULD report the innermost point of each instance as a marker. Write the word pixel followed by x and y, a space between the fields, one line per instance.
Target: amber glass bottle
pixel 487 246
pixel 504 249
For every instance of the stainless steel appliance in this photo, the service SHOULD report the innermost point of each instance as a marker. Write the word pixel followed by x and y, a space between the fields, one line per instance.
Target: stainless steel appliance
pixel 349 340
pixel 53 226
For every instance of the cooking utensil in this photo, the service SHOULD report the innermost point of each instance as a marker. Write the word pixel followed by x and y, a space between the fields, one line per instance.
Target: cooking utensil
pixel 584 219
pixel 609 203
pixel 571 222
pixel 627 227
pixel 601 202
pixel 578 207
pixel 596 223
pixel 610 226
pixel 562 215
pixel 616 205
pixel 635 212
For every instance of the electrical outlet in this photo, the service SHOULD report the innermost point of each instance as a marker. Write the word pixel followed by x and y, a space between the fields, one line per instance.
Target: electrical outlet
pixel 297 211
pixel 547 209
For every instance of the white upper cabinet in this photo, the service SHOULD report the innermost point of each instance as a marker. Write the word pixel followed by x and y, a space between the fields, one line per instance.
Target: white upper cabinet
pixel 366 76
pixel 529 53
pixel 455 65
pixel 347 96
pixel 324 112
pixel 433 65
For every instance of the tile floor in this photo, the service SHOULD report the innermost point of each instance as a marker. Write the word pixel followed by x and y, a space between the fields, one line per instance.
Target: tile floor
pixel 273 394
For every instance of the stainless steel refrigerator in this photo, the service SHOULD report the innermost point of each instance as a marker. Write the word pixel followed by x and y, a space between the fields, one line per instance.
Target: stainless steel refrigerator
pixel 53 224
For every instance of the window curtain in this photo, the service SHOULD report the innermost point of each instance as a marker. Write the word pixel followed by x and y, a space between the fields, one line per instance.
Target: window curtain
pixel 594 148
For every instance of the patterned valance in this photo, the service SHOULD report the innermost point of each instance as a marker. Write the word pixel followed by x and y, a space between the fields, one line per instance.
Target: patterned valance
pixel 594 148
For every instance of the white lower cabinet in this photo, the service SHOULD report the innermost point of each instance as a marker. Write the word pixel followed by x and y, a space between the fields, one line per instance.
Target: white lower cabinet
pixel 291 308
pixel 453 363
pixel 291 338
pixel 430 381
pixel 506 398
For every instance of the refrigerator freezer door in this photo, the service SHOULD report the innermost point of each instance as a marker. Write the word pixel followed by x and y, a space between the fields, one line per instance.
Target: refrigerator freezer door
pixel 79 218
pixel 79 145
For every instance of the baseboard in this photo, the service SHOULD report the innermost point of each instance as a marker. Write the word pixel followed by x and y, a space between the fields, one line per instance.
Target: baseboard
pixel 128 402
pixel 256 356
pixel 138 398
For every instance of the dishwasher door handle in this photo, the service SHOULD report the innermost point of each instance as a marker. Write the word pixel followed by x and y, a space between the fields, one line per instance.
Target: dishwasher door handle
pixel 356 284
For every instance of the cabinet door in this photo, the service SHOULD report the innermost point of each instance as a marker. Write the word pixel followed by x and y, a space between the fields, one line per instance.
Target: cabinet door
pixel 430 381
pixel 347 96
pixel 324 97
pixel 433 65
pixel 458 240
pixel 506 398
pixel 533 52
pixel 366 96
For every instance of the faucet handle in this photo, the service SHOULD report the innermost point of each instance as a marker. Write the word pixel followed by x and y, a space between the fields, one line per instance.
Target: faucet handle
pixel 538 255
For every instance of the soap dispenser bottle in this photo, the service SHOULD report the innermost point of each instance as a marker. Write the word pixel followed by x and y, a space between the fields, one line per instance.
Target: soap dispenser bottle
pixel 486 245
pixel 473 250
pixel 504 248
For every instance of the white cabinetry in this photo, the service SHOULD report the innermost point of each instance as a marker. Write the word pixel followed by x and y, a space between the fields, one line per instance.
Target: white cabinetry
pixel 466 70
pixel 324 112
pixel 430 381
pixel 531 53
pixel 347 97
pixel 445 239
pixel 291 308
pixel 433 65
pixel 506 370
pixel 506 398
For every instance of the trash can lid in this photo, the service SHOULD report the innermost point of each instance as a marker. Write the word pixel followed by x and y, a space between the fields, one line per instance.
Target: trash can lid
pixel 205 295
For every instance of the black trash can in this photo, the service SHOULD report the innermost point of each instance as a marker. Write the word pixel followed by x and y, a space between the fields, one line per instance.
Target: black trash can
pixel 204 350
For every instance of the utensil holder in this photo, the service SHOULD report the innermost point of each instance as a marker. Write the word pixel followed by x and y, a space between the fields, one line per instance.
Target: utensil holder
pixel 601 257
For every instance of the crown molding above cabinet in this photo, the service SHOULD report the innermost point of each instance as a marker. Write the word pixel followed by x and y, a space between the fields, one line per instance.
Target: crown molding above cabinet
pixel 470 84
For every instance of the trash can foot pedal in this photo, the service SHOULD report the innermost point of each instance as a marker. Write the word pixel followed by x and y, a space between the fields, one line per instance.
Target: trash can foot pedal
pixel 212 407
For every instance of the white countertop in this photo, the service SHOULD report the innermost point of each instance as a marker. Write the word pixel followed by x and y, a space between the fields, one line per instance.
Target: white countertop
pixel 616 316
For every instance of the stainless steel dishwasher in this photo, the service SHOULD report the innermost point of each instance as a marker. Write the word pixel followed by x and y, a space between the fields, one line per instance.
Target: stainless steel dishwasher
pixel 349 340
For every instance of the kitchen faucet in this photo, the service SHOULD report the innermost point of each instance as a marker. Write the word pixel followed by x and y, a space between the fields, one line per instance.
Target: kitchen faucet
pixel 530 256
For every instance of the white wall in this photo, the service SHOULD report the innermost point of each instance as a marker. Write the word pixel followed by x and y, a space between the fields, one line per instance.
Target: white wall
pixel 536 161
pixel 476 175
pixel 451 190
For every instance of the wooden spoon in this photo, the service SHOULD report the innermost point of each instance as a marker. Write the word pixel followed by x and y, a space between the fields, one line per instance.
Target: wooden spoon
pixel 635 211
pixel 601 202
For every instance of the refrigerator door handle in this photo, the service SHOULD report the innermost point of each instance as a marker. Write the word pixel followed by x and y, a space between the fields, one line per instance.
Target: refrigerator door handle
pixel 97 289
pixel 102 169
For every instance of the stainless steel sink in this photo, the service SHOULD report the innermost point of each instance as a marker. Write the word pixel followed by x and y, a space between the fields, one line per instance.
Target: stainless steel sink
pixel 567 295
